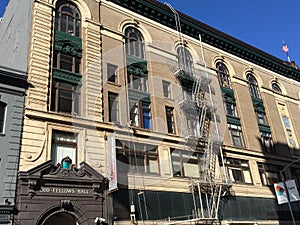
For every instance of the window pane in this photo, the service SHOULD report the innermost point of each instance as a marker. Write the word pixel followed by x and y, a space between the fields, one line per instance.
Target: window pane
pixel 247 177
pixel 153 164
pixel 64 144
pixel 66 62
pixel 2 116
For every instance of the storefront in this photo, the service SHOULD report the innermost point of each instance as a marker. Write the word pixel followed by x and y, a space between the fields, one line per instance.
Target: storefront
pixel 62 194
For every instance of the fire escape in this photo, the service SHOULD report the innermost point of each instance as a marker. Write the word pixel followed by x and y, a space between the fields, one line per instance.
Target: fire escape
pixel 201 134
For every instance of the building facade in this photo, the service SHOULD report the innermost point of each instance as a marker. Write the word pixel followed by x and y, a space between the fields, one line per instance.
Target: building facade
pixel 188 124
pixel 12 93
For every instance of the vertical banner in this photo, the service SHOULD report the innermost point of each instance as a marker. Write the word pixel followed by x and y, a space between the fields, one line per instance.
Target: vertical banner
pixel 281 192
pixel 112 162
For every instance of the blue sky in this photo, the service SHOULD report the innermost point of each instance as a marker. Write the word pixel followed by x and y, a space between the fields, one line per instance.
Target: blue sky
pixel 260 23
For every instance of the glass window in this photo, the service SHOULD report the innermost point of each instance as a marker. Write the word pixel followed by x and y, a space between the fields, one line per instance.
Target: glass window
pixel 137 157
pixel 166 89
pixel 269 174
pixel 138 83
pixel 113 107
pixel 239 171
pixel 223 75
pixel 112 73
pixel 236 135
pixel 65 97
pixel 170 120
pixel 134 43
pixel 185 163
pixel 64 144
pixel 261 118
pixel 230 109
pixel 3 107
pixel 253 87
pixel 67 18
pixel 185 60
pixel 140 114
pixel 267 142
pixel 276 88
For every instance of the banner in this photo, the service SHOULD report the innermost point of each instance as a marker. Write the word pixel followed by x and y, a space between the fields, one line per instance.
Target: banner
pixel 281 192
pixel 112 162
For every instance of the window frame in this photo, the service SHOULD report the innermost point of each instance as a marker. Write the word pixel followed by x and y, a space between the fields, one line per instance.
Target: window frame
pixel 238 165
pixel 238 135
pixel 138 114
pixel 268 169
pixel 275 87
pixel 64 143
pixel 134 43
pixel 266 137
pixel 112 73
pixel 170 119
pixel 113 107
pixel 166 89
pixel 185 60
pixel 128 151
pixel 194 159
pixel 253 86
pixel 223 75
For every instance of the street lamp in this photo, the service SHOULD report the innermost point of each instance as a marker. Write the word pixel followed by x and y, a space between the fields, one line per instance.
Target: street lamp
pixel 285 187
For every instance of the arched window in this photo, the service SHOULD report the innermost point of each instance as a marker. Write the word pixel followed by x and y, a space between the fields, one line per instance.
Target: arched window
pixel 253 87
pixel 135 45
pixel 223 75
pixel 67 57
pixel 276 88
pixel 67 19
pixel 185 60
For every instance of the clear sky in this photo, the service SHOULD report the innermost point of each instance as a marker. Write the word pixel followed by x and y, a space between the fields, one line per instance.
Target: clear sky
pixel 261 23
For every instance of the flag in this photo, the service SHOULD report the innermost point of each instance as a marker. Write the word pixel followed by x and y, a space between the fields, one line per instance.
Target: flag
pixel 285 47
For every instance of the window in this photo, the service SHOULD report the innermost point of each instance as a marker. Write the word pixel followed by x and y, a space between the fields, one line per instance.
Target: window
pixel 267 142
pixel 137 82
pixel 166 89
pixel 238 170
pixel 185 163
pixel 276 88
pixel 170 120
pixel 261 118
pixel 67 18
pixel 253 87
pixel 66 78
pixel 140 114
pixel 137 157
pixel 223 75
pixel 63 145
pixel 112 73
pixel 185 60
pixel 3 107
pixel 135 45
pixel 236 135
pixel 269 174
pixel 230 108
pixel 113 107
pixel 65 97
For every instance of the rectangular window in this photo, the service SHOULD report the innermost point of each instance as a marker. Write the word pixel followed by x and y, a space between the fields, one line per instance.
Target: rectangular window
pixel 269 174
pixel 170 120
pixel 64 144
pixel 267 142
pixel 112 73
pixel 185 163
pixel 139 83
pixel 3 107
pixel 140 114
pixel 137 157
pixel 113 107
pixel 65 97
pixel 261 118
pixel 166 89
pixel 236 135
pixel 239 171
pixel 230 109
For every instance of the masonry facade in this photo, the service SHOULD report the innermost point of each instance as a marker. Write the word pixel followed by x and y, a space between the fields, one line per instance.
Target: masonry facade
pixel 112 84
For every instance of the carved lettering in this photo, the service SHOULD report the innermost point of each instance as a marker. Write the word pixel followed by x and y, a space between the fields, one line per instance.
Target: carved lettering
pixel 64 190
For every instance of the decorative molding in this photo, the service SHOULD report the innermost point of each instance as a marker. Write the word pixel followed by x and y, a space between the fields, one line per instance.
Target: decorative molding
pixel 66 76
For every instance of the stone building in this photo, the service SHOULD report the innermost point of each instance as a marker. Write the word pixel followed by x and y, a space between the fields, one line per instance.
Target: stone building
pixel 147 115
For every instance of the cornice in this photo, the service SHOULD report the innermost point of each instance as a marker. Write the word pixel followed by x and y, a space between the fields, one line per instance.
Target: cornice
pixel 160 13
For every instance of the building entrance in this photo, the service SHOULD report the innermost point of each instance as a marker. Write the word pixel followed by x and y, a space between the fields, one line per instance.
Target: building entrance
pixel 61 219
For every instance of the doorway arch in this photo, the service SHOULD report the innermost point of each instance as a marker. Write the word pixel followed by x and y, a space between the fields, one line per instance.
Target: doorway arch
pixel 61 218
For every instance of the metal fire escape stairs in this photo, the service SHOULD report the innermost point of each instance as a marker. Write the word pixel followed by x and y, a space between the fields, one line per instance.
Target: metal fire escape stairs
pixel 207 189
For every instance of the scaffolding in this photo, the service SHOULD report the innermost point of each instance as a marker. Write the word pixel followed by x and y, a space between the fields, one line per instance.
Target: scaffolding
pixel 201 134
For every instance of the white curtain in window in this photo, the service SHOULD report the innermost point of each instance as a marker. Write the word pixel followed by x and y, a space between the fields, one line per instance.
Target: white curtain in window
pixel 64 151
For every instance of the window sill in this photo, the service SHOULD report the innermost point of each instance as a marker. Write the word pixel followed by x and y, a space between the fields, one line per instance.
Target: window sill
pixel 113 83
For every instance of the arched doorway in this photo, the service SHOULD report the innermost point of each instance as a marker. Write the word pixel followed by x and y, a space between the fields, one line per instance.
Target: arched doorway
pixel 61 218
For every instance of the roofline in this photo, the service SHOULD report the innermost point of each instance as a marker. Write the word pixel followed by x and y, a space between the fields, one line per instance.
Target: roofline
pixel 161 13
